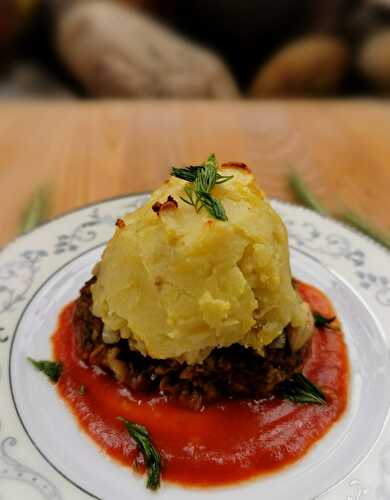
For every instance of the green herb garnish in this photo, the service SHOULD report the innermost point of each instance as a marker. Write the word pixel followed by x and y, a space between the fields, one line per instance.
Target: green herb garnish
pixel 321 321
pixel 186 173
pixel 35 212
pixel 51 369
pixel 82 389
pixel 300 390
pixel 308 199
pixel 151 456
pixel 304 194
pixel 203 179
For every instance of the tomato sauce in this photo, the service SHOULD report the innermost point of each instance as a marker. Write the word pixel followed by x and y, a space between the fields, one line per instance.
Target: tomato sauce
pixel 227 442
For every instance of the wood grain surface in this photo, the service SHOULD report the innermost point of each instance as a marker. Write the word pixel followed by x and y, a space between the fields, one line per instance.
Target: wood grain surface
pixel 90 151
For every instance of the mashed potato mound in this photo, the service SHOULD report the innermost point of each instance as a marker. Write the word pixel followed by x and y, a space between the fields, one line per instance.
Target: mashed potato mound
pixel 177 283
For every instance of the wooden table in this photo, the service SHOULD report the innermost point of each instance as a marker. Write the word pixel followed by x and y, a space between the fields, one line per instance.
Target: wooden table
pixel 90 151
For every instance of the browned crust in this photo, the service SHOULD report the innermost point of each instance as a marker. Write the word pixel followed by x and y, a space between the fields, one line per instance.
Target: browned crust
pixel 120 223
pixel 159 281
pixel 238 165
pixel 170 204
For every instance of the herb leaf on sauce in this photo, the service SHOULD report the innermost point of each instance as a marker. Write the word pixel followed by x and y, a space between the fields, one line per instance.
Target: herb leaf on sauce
pixel 51 369
pixel 301 390
pixel 321 321
pixel 152 457
pixel 203 179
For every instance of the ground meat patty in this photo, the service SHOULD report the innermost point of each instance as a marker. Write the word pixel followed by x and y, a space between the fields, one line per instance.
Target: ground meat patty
pixel 228 372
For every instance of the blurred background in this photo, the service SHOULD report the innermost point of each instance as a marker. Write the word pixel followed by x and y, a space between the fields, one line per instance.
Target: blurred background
pixel 100 97
pixel 81 49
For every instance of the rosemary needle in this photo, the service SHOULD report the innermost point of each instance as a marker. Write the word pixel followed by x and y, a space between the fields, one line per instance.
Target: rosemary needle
pixel 365 227
pixel 299 389
pixel 52 369
pixel 307 198
pixel 303 193
pixel 151 455
pixel 35 212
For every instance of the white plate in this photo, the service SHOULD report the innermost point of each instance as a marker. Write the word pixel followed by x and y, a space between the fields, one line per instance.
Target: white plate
pixel 43 455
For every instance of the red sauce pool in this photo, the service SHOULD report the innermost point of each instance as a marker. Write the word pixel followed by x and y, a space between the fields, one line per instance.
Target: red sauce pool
pixel 227 442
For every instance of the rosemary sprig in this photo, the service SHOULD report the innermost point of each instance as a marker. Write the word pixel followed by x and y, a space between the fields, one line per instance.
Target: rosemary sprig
pixel 51 369
pixel 190 173
pixel 152 457
pixel 203 179
pixel 307 198
pixel 304 194
pixel 35 212
pixel 186 173
pixel 212 205
pixel 365 227
pixel 300 390
pixel 321 321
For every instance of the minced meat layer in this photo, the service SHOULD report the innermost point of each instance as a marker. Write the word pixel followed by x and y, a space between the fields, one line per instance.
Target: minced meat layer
pixel 229 372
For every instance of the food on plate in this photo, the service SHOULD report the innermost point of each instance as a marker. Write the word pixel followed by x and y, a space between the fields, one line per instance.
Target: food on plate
pixel 191 346
pixel 180 300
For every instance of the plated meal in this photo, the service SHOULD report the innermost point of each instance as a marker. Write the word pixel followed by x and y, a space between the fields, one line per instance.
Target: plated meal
pixel 192 353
